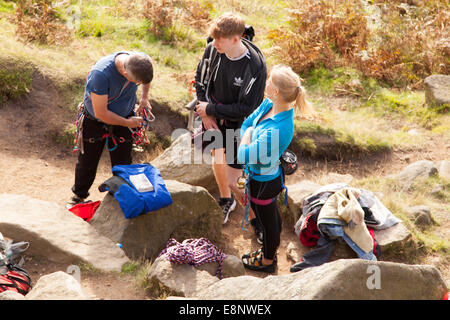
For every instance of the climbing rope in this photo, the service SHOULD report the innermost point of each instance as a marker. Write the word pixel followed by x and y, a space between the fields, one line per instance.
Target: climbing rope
pixel 194 252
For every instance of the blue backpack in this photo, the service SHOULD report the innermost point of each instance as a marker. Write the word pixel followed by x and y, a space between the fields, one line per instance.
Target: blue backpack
pixel 139 189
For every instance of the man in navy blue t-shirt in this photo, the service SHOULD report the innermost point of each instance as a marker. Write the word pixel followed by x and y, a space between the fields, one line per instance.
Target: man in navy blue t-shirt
pixel 109 103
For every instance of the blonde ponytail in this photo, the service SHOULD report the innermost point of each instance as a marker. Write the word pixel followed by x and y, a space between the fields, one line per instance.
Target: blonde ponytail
pixel 301 105
pixel 288 84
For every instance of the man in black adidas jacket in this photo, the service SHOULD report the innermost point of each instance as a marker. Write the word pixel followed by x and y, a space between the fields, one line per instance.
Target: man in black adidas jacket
pixel 230 83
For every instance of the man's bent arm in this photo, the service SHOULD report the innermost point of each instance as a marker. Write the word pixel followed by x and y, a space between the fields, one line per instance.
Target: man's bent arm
pixel 100 106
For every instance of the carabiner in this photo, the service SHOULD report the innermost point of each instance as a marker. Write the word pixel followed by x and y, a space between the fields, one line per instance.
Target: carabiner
pixel 107 144
pixel 147 114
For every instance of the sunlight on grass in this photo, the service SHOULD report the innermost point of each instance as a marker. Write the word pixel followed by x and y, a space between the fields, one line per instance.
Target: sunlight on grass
pixel 405 104
pixel 371 131
pixel 398 201
pixel 60 62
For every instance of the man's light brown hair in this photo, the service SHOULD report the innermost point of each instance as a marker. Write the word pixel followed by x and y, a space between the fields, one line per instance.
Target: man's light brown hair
pixel 227 25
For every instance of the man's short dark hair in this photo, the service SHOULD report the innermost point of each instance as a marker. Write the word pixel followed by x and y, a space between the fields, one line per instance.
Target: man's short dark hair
pixel 140 67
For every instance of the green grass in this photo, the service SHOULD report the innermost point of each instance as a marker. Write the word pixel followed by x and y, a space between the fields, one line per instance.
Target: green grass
pixel 131 268
pixel 341 80
pixel 7 7
pixel 427 239
pixel 105 27
pixel 332 142
pixel 404 104
pixel 374 97
pixel 64 137
pixel 15 78
pixel 69 64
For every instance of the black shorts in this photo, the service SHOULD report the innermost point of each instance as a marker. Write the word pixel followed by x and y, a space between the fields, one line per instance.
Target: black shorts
pixel 228 137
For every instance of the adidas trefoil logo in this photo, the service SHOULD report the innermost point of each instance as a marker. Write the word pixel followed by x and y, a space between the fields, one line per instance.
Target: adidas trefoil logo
pixel 238 81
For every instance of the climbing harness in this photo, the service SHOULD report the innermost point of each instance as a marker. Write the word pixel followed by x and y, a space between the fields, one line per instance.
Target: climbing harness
pixel 138 135
pixel 78 142
pixel 261 202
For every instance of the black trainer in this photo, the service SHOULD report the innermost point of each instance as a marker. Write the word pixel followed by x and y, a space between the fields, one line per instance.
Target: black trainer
pixel 73 201
pixel 228 205
pixel 258 230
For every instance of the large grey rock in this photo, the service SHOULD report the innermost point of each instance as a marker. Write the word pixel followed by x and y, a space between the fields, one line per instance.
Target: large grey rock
pixel 193 214
pixel 421 214
pixel 231 267
pixel 11 295
pixel 182 162
pixel 444 169
pixel 349 279
pixel 295 251
pixel 393 238
pixel 296 193
pixel 165 278
pixel 423 168
pixel 56 233
pixel 57 286
pixel 437 89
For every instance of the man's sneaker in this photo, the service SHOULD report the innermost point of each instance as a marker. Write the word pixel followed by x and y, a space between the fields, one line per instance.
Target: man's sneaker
pixel 228 205
pixel 73 201
pixel 258 230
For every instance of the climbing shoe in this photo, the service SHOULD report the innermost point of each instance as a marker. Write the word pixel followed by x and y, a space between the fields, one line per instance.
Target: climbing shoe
pixel 73 201
pixel 257 228
pixel 227 205
pixel 253 261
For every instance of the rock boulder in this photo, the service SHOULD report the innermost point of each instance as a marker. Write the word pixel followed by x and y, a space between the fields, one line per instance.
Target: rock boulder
pixel 423 168
pixel 182 162
pixel 57 286
pixel 296 193
pixel 345 279
pixel 444 169
pixel 57 234
pixel 183 280
pixel 194 213
pixel 437 89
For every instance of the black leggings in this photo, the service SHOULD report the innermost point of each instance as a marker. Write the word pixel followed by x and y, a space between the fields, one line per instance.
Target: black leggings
pixel 268 215
pixel 87 163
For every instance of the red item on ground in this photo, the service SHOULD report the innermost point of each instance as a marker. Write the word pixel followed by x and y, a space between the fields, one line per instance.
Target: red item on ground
pixel 16 279
pixel 85 210
pixel 309 235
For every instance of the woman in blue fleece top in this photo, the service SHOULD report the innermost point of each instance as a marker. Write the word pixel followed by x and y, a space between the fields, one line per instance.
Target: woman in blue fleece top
pixel 265 135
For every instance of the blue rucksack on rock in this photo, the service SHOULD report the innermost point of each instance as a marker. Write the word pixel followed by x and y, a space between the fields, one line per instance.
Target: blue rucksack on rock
pixel 138 188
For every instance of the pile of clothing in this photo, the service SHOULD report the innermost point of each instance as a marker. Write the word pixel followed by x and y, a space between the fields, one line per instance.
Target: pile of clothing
pixel 338 212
